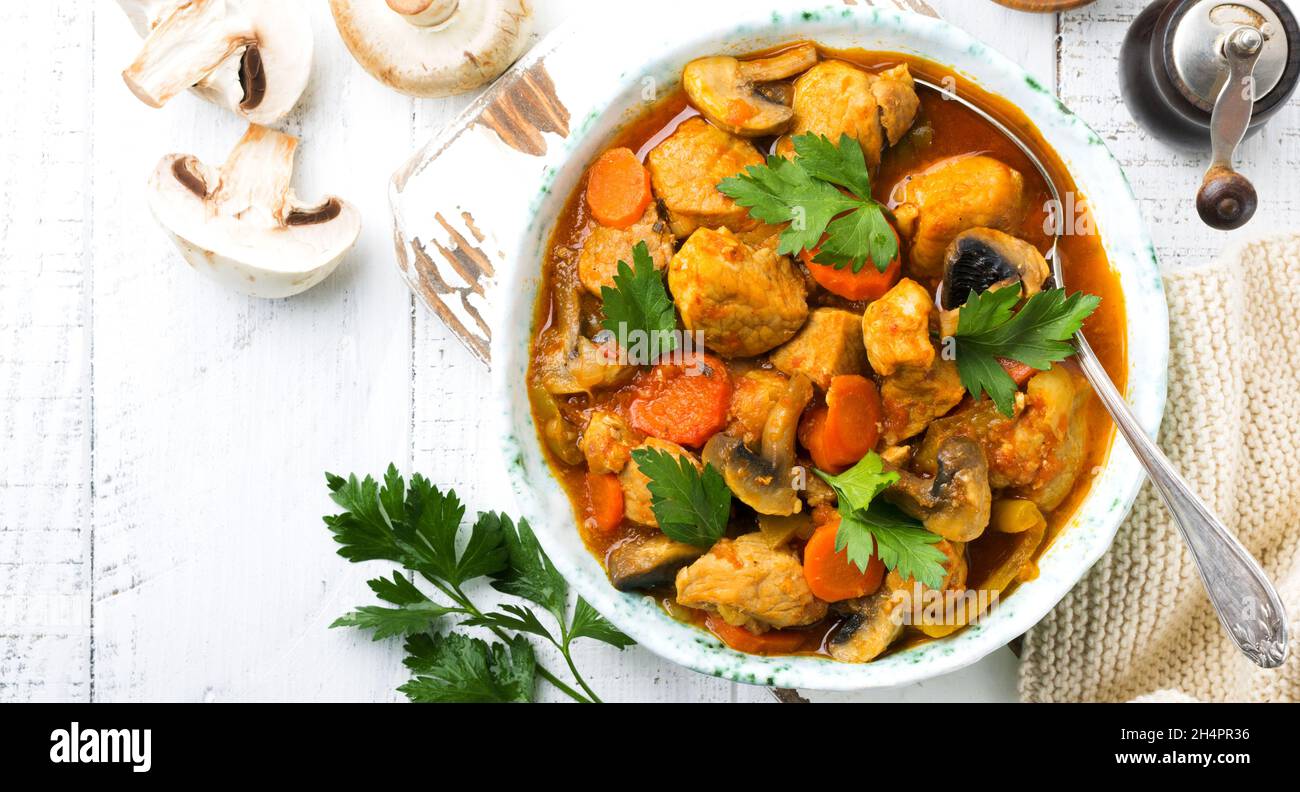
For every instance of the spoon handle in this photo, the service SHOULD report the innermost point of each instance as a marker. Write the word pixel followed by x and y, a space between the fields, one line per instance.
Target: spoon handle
pixel 1245 600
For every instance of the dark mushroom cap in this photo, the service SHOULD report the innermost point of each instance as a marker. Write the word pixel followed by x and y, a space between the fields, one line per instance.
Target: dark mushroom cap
pixel 983 258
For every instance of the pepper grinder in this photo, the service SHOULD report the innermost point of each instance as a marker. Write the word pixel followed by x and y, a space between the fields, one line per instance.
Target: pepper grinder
pixel 1203 75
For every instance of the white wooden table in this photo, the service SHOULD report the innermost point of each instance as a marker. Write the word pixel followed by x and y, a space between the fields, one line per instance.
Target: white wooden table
pixel 162 440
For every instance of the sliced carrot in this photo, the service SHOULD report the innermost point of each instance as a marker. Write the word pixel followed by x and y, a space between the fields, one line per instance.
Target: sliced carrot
pixel 1019 372
pixel 830 575
pixel 842 432
pixel 868 284
pixel 853 414
pixel 618 189
pixel 686 403
pixel 775 642
pixel 605 501
pixel 812 436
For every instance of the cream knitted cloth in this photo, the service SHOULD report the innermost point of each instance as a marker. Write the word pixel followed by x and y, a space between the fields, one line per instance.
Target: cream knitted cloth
pixel 1139 622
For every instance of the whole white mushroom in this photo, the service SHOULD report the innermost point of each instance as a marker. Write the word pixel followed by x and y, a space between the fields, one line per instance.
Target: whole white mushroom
pixel 251 56
pixel 242 225
pixel 434 47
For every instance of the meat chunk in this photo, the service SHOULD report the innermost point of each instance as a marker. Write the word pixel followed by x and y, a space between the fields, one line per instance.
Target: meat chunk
pixel 755 394
pixel 896 329
pixel 644 562
pixel 636 490
pixel 685 170
pixel 828 346
pixel 913 397
pixel 605 247
pixel 750 585
pixel 607 442
pixel 1036 455
pixel 834 98
pixel 1055 410
pixel 952 196
pixel 745 300
pixel 895 92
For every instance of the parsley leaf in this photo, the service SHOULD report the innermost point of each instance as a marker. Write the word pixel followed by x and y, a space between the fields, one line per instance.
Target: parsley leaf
pixel 639 302
pixel 588 623
pixel 1037 335
pixel 843 165
pixel 902 543
pixel 413 614
pixel 455 668
pixel 869 527
pixel 530 574
pixel 515 617
pixel 362 529
pixel 690 506
pixel 418 531
pixel 782 191
pixel 849 235
pixel 806 192
pixel 858 486
pixel 392 622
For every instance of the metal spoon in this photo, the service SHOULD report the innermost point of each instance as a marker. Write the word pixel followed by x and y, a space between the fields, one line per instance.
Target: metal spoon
pixel 1246 602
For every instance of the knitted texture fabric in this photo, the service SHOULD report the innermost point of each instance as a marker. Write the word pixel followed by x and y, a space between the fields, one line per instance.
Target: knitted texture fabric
pixel 1139 624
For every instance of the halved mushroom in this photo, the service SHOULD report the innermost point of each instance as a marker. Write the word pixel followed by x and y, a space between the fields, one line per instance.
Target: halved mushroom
pixel 764 481
pixel 570 362
pixel 242 224
pixel 985 258
pixel 956 503
pixel 434 47
pixel 250 56
pixel 871 625
pixel 648 562
pixel 729 92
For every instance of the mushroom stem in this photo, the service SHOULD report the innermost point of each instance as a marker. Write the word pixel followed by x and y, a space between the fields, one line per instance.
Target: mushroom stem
pixel 781 65
pixel 425 13
pixel 185 48
pixel 257 175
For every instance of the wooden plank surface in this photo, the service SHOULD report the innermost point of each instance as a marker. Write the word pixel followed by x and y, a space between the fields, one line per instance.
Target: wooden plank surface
pixel 45 346
pixel 163 440
pixel 216 414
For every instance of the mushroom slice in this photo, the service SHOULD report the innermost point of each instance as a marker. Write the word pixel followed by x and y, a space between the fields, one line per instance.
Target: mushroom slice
pixel 728 92
pixel 985 258
pixel 571 363
pixel 648 562
pixel 250 56
pixel 871 625
pixel 242 224
pixel 434 47
pixel 956 503
pixel 764 481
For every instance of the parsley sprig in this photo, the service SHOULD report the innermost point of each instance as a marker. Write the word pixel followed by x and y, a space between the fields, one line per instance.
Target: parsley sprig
pixel 690 505
pixel 1037 335
pixel 809 193
pixel 639 303
pixel 871 527
pixel 420 527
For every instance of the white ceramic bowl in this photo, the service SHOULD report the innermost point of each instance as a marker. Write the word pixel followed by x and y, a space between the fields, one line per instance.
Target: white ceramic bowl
pixel 601 78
